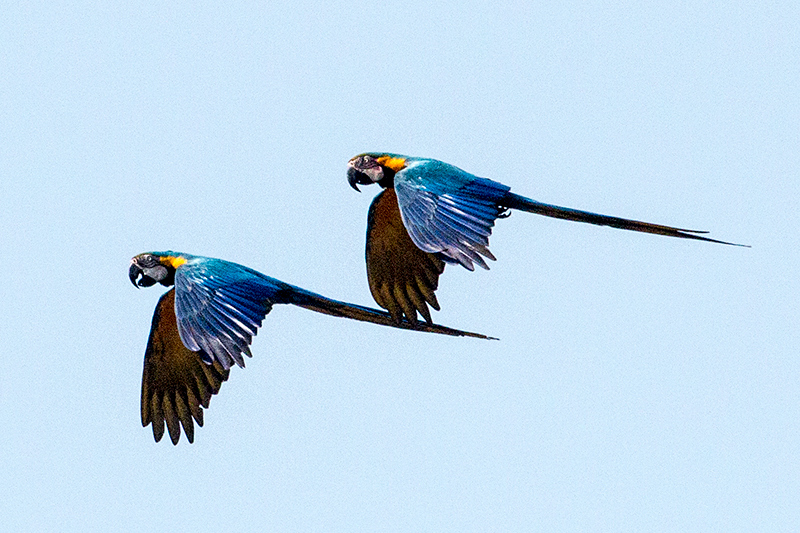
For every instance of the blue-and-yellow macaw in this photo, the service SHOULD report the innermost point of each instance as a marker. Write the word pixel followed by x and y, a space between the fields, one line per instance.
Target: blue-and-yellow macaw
pixel 205 324
pixel 431 213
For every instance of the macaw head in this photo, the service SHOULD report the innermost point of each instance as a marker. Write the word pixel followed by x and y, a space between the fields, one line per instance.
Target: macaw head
pixel 155 267
pixel 369 168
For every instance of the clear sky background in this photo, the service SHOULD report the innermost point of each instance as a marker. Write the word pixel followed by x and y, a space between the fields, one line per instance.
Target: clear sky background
pixel 641 383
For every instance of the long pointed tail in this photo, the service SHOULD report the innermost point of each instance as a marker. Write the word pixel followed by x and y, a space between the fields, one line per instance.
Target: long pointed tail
pixel 515 201
pixel 320 304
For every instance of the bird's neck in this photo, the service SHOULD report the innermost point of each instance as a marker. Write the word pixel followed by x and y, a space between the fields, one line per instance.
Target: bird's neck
pixel 387 181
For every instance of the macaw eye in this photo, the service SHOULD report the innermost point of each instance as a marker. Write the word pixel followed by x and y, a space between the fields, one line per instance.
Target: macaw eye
pixel 147 260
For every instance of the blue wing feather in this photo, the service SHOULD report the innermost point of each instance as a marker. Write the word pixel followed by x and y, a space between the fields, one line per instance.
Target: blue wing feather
pixel 220 306
pixel 448 211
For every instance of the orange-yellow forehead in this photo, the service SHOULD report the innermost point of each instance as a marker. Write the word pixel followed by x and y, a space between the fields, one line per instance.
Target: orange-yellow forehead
pixel 395 163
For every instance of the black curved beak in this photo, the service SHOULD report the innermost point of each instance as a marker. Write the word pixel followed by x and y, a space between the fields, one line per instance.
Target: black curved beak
pixel 356 178
pixel 134 272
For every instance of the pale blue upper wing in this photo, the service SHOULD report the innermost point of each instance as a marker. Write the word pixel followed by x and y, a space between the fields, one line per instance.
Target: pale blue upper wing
pixel 220 305
pixel 448 210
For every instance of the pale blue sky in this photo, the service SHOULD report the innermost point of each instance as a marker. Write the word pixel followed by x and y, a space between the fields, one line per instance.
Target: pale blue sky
pixel 640 384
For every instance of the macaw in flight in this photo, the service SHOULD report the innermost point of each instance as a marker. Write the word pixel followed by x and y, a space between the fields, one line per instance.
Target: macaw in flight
pixel 205 324
pixel 431 213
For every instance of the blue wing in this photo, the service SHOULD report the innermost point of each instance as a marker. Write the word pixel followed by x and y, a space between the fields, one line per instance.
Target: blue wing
pixel 220 306
pixel 448 211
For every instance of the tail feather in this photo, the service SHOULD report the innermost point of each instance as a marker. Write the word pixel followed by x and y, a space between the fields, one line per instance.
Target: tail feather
pixel 320 304
pixel 515 201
